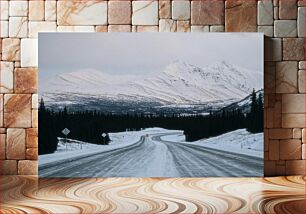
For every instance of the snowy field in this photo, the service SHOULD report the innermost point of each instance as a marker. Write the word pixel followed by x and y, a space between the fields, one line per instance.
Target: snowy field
pixel 239 141
pixel 157 152
pixel 119 140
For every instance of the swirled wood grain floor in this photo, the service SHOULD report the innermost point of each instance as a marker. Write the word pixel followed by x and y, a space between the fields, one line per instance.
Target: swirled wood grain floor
pixel 152 195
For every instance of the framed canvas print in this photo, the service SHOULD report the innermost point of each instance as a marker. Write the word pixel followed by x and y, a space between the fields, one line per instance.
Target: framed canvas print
pixel 151 104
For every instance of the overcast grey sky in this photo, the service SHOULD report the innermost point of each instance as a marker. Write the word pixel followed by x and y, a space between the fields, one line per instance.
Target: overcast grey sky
pixel 117 53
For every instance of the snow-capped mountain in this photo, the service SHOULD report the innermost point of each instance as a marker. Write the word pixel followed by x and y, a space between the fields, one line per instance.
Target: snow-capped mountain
pixel 178 83
pixel 244 104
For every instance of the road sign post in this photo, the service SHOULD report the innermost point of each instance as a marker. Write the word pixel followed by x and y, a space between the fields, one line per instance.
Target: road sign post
pixel 103 135
pixel 66 131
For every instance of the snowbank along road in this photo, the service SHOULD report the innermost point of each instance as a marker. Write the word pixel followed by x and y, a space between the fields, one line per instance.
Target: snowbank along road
pixel 153 157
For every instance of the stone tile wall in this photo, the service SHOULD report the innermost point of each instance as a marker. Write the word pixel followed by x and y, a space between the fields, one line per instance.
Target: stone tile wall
pixel 282 21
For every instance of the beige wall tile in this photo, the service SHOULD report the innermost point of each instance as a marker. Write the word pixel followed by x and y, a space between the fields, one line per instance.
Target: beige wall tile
pixel 1 111
pixel 32 138
pixel 27 167
pixel 287 9
pixel 280 170
pixel 167 25
pixel 283 110
pixel 36 10
pixel 301 81
pixel 274 150
pixel 4 10
pixel 145 13
pixel 2 146
pixel 275 13
pixel 301 21
pixel 164 9
pixel 34 101
pixel 6 77
pixel 29 53
pixel 147 28
pixel 17 64
pixel 285 28
pixel 4 29
pixel 269 121
pixel 101 28
pixel 8 167
pixel 295 167
pixel 15 144
pixel 269 168
pixel 239 16
pixel 183 26
pixel 286 77
pixel 35 118
pixel 293 49
pixel 26 80
pixel 91 12
pixel 180 10
pixel 76 28
pixel 18 8
pixel 32 154
pixel 38 26
pixel 265 12
pixel 207 12
pixel 119 12
pixel 293 103
pixel 17 110
pixel 277 114
pixel 297 133
pixel 293 120
pixel 216 28
pixel 18 27
pixel 199 28
pixel 280 133
pixel 50 10
pixel 301 3
pixel 2 130
pixel 11 49
pixel 119 28
pixel 302 65
pixel 290 149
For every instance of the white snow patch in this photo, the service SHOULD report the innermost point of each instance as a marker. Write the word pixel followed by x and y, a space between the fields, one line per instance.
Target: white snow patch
pixel 177 137
pixel 239 141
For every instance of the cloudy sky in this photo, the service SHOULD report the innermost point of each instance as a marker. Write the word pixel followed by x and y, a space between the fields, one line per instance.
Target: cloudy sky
pixel 118 53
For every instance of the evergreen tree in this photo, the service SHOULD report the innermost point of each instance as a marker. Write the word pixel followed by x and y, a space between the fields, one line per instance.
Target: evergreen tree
pixel 47 139
pixel 42 107
pixel 260 114
pixel 255 117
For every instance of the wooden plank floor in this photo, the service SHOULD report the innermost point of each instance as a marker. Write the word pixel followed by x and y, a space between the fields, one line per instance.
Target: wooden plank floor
pixel 153 195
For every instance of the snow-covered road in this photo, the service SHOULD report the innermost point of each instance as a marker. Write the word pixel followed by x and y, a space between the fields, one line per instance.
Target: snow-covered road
pixel 153 157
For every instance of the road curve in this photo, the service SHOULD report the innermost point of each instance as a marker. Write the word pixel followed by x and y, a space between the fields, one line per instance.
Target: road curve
pixel 153 157
pixel 198 161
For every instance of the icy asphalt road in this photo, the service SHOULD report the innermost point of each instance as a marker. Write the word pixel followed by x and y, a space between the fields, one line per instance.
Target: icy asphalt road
pixel 153 157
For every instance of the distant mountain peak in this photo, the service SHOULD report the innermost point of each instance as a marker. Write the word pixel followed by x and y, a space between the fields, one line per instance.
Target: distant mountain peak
pixel 179 67
pixel 222 63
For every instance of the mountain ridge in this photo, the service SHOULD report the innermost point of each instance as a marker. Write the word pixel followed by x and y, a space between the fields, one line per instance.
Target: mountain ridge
pixel 178 83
